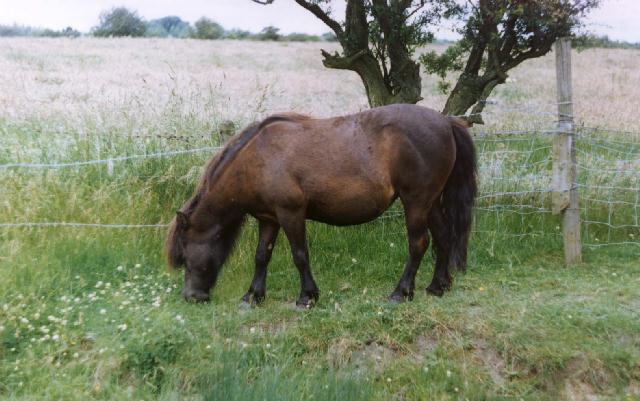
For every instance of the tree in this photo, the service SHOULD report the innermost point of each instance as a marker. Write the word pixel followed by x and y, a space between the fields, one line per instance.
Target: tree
pixel 66 32
pixel 269 33
pixel 238 34
pixel 379 38
pixel 120 21
pixel 168 26
pixel 498 36
pixel 207 29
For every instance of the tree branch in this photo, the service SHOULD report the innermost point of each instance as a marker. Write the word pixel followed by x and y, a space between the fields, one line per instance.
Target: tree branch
pixel 322 15
pixel 341 63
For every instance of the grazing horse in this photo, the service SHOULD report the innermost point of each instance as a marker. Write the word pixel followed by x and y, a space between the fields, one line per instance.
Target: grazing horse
pixel 340 171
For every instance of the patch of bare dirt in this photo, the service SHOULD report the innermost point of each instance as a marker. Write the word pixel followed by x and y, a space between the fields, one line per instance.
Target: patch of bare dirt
pixel 339 352
pixel 374 355
pixel 491 359
pixel 584 380
pixel 577 390
pixel 424 345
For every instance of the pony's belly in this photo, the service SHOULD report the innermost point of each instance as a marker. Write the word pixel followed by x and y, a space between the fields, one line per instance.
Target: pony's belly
pixel 344 212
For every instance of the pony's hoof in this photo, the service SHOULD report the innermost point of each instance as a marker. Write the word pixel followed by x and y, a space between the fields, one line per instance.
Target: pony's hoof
pixel 252 299
pixel 304 304
pixel 399 298
pixel 396 298
pixel 435 290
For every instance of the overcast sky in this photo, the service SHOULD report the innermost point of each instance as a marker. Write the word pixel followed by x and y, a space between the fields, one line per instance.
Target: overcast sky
pixel 619 19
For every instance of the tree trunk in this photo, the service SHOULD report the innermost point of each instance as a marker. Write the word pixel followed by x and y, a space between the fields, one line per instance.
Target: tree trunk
pixel 464 95
pixel 378 91
pixel 400 83
pixel 469 91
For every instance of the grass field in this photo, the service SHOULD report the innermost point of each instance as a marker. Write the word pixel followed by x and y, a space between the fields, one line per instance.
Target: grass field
pixel 94 313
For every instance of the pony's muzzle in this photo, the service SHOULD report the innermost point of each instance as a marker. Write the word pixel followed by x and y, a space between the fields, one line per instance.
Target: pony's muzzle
pixel 195 295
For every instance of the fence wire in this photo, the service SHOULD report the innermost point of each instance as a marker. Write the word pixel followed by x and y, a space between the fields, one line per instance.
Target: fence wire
pixel 608 164
pixel 515 184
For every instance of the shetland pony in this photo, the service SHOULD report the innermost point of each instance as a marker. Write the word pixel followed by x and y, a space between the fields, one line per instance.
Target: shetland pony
pixel 340 171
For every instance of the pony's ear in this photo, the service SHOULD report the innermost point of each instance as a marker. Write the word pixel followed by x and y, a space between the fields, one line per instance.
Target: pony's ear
pixel 182 220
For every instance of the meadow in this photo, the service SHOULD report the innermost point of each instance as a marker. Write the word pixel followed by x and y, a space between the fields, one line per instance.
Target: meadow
pixel 93 313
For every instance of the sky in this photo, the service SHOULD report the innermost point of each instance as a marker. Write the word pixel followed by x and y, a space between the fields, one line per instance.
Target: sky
pixel 619 19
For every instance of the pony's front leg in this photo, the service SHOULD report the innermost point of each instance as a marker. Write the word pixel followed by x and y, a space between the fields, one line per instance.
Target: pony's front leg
pixel 267 234
pixel 293 224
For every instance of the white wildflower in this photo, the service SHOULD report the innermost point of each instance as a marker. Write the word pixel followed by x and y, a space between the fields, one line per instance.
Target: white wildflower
pixel 103 311
pixel 99 284
pixel 122 327
pixel 119 268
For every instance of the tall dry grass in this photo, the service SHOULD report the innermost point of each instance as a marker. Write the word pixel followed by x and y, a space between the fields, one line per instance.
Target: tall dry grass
pixel 137 79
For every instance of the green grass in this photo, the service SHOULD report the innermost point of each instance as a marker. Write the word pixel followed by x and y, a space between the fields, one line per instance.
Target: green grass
pixel 94 314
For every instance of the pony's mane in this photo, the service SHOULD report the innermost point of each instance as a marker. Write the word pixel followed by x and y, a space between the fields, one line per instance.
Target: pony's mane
pixel 235 144
pixel 214 169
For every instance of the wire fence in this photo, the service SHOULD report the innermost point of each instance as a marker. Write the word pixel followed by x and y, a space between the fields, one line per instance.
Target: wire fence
pixel 515 174
pixel 108 161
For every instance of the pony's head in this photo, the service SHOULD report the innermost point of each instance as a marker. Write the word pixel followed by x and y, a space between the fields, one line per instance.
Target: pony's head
pixel 201 251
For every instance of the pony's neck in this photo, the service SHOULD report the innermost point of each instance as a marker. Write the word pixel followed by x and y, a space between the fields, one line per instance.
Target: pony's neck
pixel 218 205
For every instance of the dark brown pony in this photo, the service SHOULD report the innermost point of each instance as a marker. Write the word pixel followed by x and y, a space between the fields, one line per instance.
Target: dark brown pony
pixel 340 171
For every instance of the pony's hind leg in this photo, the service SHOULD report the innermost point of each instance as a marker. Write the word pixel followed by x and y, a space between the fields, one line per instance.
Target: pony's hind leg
pixel 441 280
pixel 267 234
pixel 293 224
pixel 416 216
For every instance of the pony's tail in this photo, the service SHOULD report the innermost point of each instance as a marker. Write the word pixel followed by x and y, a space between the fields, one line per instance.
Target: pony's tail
pixel 459 195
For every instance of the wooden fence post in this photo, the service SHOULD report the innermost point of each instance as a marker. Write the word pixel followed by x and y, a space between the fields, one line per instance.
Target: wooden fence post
pixel 565 194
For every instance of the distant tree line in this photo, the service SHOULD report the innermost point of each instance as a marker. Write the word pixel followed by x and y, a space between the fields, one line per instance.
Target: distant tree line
pixel 21 30
pixel 587 41
pixel 120 21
